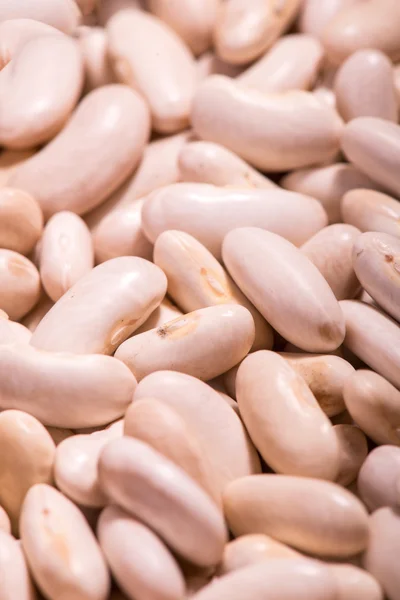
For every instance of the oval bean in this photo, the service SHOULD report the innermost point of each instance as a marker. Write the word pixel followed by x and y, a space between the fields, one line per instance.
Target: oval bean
pixel 62 14
pixel 258 127
pixel 353 583
pixel 205 212
pixel 19 284
pixel 325 520
pixel 103 308
pixel 164 497
pixel 371 211
pixel 260 261
pixel 378 482
pixel 21 220
pixel 316 14
pixel 101 144
pixel 253 548
pixel 14 33
pixel 15 578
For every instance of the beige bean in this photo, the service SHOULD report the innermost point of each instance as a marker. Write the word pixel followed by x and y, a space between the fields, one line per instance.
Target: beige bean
pixel 247 28
pixel 150 57
pixel 9 161
pixel 380 558
pixel 376 258
pixel 33 318
pixel 197 280
pixel 152 571
pixel 325 375
pixel 378 482
pixel 60 547
pixel 165 430
pixel 374 404
pixel 166 311
pixel 331 251
pixel 288 427
pixel 260 261
pixel 75 466
pixel 34 108
pixel 275 579
pixel 325 520
pixel 15 578
pixel 204 343
pixel 164 497
pixel 206 162
pixel 14 33
pixel 193 22
pixel 99 147
pixel 258 126
pixel 21 220
pixel 364 87
pixel 27 452
pixel 353 450
pixel 63 389
pixel 316 14
pixel 13 333
pixel 205 212
pixel 93 45
pixel 66 253
pixel 371 211
pixel 5 523
pixel 373 337
pixel 62 14
pixel 103 308
pixel 19 284
pixel 253 548
pixel 372 144
pixel 293 63
pixel 232 455
pixel 353 583
pixel 328 184
pixel 370 24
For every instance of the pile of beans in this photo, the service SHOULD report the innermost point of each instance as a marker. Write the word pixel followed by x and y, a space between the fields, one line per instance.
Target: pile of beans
pixel 199 299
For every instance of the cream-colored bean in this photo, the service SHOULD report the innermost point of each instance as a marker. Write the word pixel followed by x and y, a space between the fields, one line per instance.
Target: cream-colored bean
pixel 27 452
pixel 101 144
pixel 353 583
pixel 206 162
pixel 151 571
pixel 372 145
pixel 373 337
pixel 164 497
pixel 325 519
pixel 353 450
pixel 204 343
pixel 197 280
pixel 328 184
pixel 14 33
pixel 253 548
pixel 5 523
pixel 165 430
pixel 63 389
pixel 193 21
pixel 62 14
pixel 288 427
pixel 259 127
pixel 293 63
pixel 33 318
pixel 316 14
pixel 374 404
pixel 247 28
pixel 15 578
pixel 34 108
pixel 275 579
pixel 331 251
pixel 378 482
pixel 208 213
pixel 364 87
pixel 21 220
pixel 166 311
pixel 93 45
pixel 66 253
pixel 232 454
pixel 371 211
pixel 60 547
pixel 261 263
pixel 376 258
pixel 75 466
pixel 9 161
pixel 103 308
pixel 380 558
pixel 13 333
pixel 370 24
pixel 149 56
pixel 325 375
pixel 19 284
